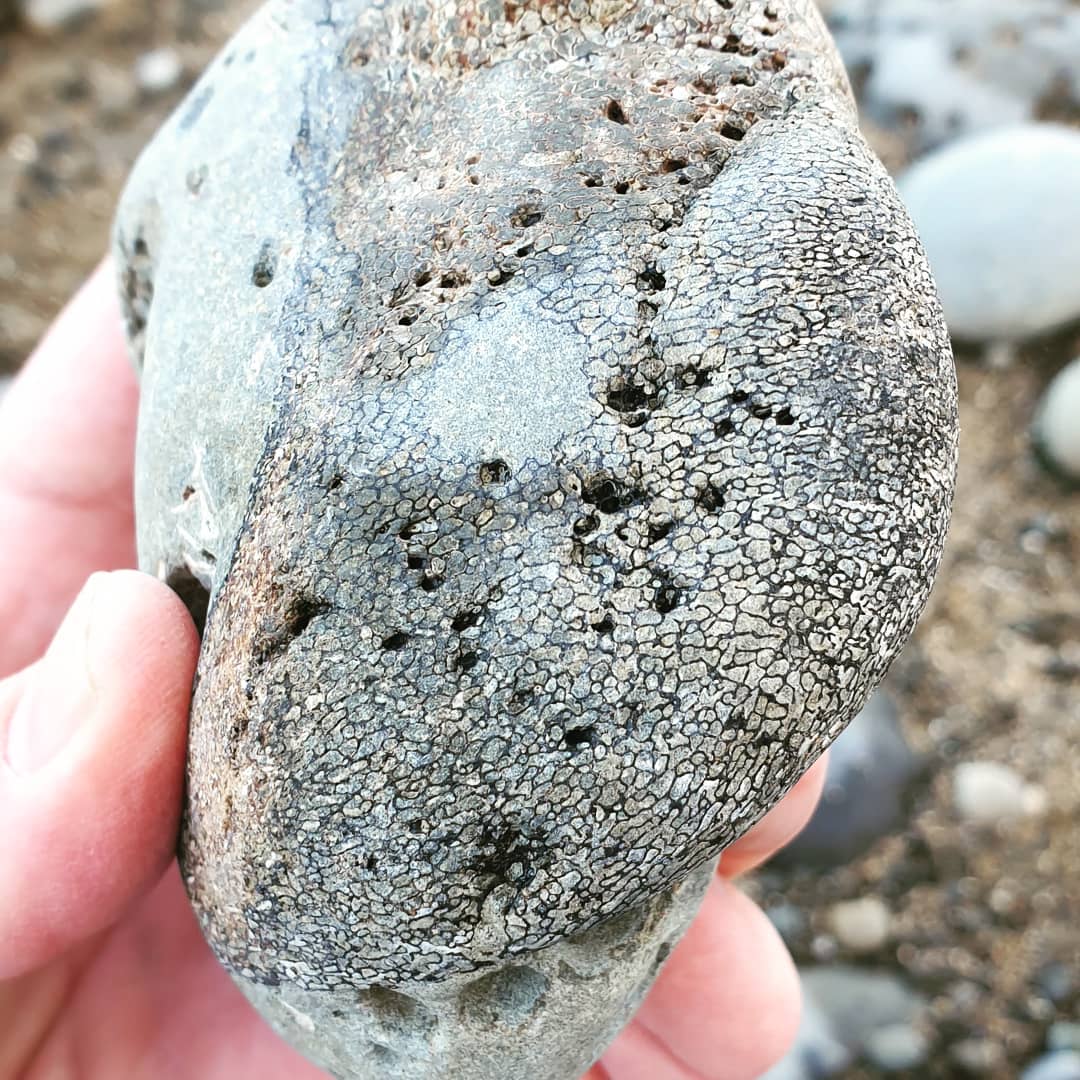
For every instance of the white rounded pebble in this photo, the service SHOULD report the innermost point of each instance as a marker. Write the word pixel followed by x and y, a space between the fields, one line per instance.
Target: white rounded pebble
pixel 897 1047
pixel 1063 1065
pixel 862 925
pixel 48 16
pixel 1057 422
pixel 985 793
pixel 158 71
pixel 999 215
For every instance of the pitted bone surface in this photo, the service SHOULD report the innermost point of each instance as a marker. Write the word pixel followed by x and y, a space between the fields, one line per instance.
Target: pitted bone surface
pixel 609 440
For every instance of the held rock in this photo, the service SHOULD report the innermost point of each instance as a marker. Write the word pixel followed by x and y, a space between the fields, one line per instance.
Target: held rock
pixel 556 419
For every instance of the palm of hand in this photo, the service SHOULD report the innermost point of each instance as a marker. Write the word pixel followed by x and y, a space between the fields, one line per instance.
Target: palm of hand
pixel 103 971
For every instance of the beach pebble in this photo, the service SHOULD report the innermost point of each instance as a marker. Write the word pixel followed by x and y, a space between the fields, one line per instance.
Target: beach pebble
pixel 48 16
pixel 1064 1035
pixel 1000 218
pixel 939 71
pixel 870 769
pixel 861 926
pixel 159 70
pixel 986 793
pixel 897 1047
pixel 1061 1065
pixel 817 1051
pixel 1057 422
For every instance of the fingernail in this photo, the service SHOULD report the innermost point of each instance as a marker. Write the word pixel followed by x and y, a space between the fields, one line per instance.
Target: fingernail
pixel 60 690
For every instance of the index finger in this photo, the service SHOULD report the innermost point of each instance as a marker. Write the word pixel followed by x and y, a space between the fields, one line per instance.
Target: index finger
pixel 67 443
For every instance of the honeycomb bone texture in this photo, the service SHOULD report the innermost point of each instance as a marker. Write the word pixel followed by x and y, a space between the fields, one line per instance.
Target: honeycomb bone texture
pixel 554 404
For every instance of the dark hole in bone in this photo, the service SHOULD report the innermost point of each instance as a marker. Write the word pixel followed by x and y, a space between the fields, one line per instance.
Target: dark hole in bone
pixel 187 493
pixel 673 164
pixel 604 626
pixel 526 215
pixel 739 396
pixel 625 397
pixel 667 597
pixel 524 250
pixel 396 640
pixel 711 498
pixel 614 112
pixel 585 525
pixel 430 582
pixel 262 273
pixel 464 619
pixel 594 181
pixel 741 78
pixel 416 562
pixel 660 530
pixel 301 612
pixel 761 412
pixel 577 738
pixel 494 472
pixel 407 320
pixel 730 131
pixel 500 276
pixel 453 279
pixel 422 278
pixel 724 427
pixel 651 280
pixel 691 376
pixel 785 417
pixel 335 482
pixel 610 495
pixel 194 594
pixel 621 188
pixel 467 661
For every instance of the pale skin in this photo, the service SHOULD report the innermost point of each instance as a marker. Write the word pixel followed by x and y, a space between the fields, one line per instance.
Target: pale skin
pixel 103 972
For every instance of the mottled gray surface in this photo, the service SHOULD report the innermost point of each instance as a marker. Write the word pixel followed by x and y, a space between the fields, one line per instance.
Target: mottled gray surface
pixel 558 407
pixel 550 1014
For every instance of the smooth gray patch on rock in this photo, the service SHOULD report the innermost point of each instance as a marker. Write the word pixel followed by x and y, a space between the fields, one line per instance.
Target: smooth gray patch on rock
pixel 556 422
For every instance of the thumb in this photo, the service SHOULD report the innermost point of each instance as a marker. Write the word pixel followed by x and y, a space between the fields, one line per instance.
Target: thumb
pixel 92 742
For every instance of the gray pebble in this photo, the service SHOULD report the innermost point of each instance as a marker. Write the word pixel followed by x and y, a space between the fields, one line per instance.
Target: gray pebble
pixel 988 793
pixel 862 925
pixel 49 16
pixel 1000 219
pixel 941 71
pixel 896 1048
pixel 1062 1065
pixel 1064 1035
pixel 1057 422
pixel 870 770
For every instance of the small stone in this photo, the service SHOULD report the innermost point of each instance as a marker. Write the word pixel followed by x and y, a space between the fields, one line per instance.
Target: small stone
pixel 1062 1065
pixel 859 1001
pixel 986 793
pixel 1000 220
pixel 817 1051
pixel 1064 1035
pixel 48 16
pixel 861 926
pixel 158 71
pixel 1057 423
pixel 789 921
pixel 978 1056
pixel 870 770
pixel 1055 981
pixel 897 1047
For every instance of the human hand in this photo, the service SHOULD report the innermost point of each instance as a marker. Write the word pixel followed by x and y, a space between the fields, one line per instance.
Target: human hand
pixel 103 972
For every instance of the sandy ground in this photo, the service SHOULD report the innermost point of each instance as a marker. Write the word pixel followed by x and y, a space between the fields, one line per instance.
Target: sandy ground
pixel 992 674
